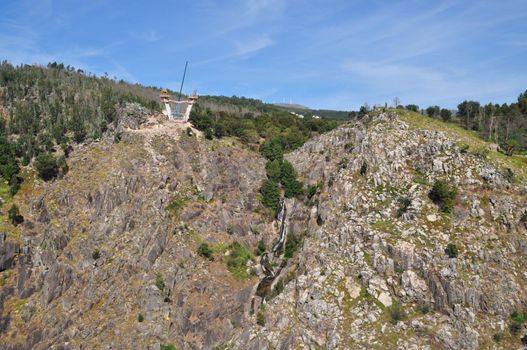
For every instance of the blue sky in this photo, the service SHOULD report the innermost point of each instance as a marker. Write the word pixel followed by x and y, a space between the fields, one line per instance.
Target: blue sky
pixel 323 54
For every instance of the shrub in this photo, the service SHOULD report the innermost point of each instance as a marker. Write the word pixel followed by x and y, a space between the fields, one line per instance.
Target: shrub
pixel 443 195
pixel 508 174
pixel 396 313
pixel 292 186
pixel 452 250
pixel 363 168
pixel 515 327
pixel 160 282
pixel 46 165
pixel 261 248
pixel 260 316
pixel 497 337
pixel 62 166
pixel 404 204
pixel 524 339
pixel 273 169
pixel 205 251
pixel 463 147
pixel 14 185
pixel 278 288
pixel 291 245
pixel 96 254
pixel 312 190
pixel 237 260
pixel 14 215
pixel 140 318
pixel 117 137
pixel 168 347
pixel 270 194
pixel 272 149
pixel 518 318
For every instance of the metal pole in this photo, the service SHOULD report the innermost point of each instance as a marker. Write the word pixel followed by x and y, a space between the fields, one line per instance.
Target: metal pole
pixel 182 81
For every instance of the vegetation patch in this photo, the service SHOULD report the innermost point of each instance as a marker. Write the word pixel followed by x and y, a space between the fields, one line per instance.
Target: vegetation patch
pixel 443 195
pixel 205 251
pixel 452 250
pixel 237 261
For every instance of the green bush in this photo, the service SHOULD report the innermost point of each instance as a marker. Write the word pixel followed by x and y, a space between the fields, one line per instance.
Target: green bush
pixel 261 248
pixel 205 251
pixel 168 347
pixel 272 149
pixel 515 327
pixel 288 175
pixel 14 215
pixel 396 313
pixel 237 260
pixel 270 194
pixel 14 185
pixel 273 169
pixel 140 318
pixel 443 195
pixel 363 168
pixel 260 316
pixel 452 250
pixel 46 165
pixel 463 147
pixel 62 166
pixel 518 316
pixel 404 204
pixel 117 137
pixel 96 254
pixel 277 289
pixel 497 337
pixel 312 190
pixel 160 282
pixel 291 245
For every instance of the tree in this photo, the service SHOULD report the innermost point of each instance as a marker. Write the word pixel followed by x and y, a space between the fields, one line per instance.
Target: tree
pixel 272 149
pixel 433 111
pixel 270 194
pixel 8 164
pixel 292 186
pixel 446 114
pixel 205 251
pixel 46 165
pixel 14 215
pixel 443 195
pixel 273 169
pixel 467 110
pixel 413 108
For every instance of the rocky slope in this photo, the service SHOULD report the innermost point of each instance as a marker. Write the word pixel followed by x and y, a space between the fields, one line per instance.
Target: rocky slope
pixel 372 276
pixel 107 257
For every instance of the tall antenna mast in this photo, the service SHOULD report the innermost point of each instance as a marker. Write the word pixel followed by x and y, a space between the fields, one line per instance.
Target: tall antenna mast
pixel 182 81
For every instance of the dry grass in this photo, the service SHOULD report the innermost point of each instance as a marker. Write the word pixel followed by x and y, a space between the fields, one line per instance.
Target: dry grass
pixel 517 163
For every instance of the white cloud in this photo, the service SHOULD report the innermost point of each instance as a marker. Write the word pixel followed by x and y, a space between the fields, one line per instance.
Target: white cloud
pixel 250 46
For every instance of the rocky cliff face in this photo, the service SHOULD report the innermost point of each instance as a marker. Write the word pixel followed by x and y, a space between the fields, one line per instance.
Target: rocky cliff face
pixel 107 256
pixel 371 274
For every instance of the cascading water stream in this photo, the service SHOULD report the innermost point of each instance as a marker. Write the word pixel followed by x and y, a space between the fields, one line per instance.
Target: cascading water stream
pixel 270 275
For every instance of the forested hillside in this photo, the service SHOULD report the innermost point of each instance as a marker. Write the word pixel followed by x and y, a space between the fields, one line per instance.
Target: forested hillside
pixel 44 107
pixel 505 124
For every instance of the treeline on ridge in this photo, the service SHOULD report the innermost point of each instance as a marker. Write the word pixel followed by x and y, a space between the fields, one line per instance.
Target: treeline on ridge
pixel 42 108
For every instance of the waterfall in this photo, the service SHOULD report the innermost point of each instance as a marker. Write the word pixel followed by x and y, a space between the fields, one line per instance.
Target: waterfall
pixel 282 214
